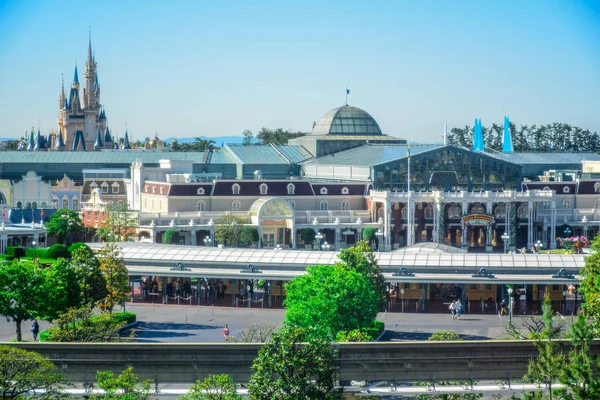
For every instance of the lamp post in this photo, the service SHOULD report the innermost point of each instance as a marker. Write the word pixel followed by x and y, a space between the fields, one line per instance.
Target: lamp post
pixel 34 243
pixel 379 235
pixel 326 246
pixel 207 241
pixel 510 305
pixel 319 236
pixel 538 246
pixel 505 238
pixel 567 231
pixel 277 248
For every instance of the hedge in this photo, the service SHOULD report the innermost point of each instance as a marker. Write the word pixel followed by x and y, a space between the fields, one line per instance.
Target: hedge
pixel 15 251
pixel 375 330
pixel 77 245
pixel 34 252
pixel 58 251
pixel 127 317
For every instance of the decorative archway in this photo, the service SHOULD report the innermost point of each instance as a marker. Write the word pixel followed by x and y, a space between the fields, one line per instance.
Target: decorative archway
pixel 275 220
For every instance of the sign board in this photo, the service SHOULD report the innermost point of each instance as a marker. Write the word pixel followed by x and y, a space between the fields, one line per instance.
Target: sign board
pixel 478 220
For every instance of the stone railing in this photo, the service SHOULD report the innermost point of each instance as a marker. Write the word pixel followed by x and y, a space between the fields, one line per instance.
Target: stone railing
pixel 463 194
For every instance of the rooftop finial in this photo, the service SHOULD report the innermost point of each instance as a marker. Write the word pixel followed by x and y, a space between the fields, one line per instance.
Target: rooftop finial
pixel 347 93
pixel 90 58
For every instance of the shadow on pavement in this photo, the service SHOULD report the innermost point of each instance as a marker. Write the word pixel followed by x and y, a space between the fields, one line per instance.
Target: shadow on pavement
pixel 416 336
pixel 154 326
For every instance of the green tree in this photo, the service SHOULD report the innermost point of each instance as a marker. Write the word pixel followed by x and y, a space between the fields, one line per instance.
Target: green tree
pixel 277 136
pixel 120 226
pixel 330 299
pixel 548 366
pixel 228 229
pixel 248 137
pixel 77 325
pixel 354 335
pixel 22 371
pixel 10 145
pixel 308 236
pixel 89 275
pixel 444 335
pixel 214 387
pixel 590 289
pixel 249 235
pixel 361 259
pixel 369 236
pixel 289 368
pixel 171 236
pixel 198 144
pixel 127 386
pixel 64 223
pixel 114 271
pixel 65 293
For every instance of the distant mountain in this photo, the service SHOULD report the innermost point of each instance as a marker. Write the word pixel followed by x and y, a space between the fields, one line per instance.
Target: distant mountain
pixel 4 139
pixel 217 139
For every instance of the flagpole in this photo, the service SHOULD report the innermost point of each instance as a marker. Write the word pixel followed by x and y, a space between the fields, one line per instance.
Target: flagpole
pixel 346 95
pixel 408 213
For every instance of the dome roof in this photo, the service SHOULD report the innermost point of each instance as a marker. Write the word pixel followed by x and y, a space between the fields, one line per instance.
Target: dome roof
pixel 347 120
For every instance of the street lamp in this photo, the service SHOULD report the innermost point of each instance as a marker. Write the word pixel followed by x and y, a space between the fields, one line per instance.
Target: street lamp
pixel 505 238
pixel 567 231
pixel 379 234
pixel 34 243
pixel 538 246
pixel 207 241
pixel 326 246
pixel 510 305
pixel 277 248
pixel 319 236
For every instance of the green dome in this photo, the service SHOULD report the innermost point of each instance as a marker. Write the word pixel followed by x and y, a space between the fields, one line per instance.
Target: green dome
pixel 347 120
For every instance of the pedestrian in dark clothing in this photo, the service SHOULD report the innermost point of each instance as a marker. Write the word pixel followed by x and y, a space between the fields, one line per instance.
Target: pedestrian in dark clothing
pixel 35 329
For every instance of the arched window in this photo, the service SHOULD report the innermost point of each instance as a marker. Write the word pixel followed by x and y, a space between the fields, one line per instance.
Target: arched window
pixel 323 205
pixel 546 189
pixel 345 190
pixel 19 204
pixel 404 213
pixel 454 211
pixel 34 205
pixel 235 189
pixel 75 202
pixel 44 205
pixel 597 187
pixel 323 190
pixel 104 187
pixel 200 191
pixel 597 203
pixel 28 205
pixel 428 212
pixel 291 188
pixel 236 206
pixel 65 202
pixel 522 212
pixel 200 205
pixel 263 188
pixel 477 209
pixel 345 205
pixel 500 211
pixel 292 204
pixel 566 204
pixel 566 189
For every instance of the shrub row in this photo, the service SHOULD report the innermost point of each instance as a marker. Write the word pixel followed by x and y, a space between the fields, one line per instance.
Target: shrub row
pixel 126 317
pixel 54 251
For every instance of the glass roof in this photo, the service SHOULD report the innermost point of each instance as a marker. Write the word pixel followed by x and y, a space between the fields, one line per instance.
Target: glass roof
pixel 256 154
pixel 346 120
pixel 545 158
pixel 372 154
pixel 271 207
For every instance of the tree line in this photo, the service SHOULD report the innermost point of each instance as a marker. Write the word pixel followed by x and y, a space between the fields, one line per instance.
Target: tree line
pixel 556 137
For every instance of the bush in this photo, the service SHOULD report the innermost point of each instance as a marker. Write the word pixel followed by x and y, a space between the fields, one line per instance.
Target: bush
pixel 126 317
pixel 308 235
pixel 445 336
pixel 36 253
pixel 376 329
pixel 77 245
pixel 15 251
pixel 58 251
pixel 171 237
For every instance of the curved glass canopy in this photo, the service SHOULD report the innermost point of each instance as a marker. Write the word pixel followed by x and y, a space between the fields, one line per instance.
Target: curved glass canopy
pixel 347 120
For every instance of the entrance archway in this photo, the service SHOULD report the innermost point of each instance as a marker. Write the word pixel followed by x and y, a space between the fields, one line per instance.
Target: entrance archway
pixel 275 219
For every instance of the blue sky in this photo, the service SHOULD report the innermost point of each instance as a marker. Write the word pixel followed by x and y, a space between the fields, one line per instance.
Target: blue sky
pixel 190 68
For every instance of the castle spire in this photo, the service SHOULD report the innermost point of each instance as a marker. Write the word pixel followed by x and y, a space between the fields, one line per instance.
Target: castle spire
pixel 60 143
pixel 98 144
pixel 107 137
pixel 126 145
pixel 90 58
pixel 76 77
pixel 61 101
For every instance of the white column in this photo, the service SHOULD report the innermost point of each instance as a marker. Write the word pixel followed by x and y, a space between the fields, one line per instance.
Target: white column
pixel 435 230
pixel 553 226
pixel 337 238
pixel 294 233
pixel 193 238
pixel 3 243
pixel 530 237
pixel 386 225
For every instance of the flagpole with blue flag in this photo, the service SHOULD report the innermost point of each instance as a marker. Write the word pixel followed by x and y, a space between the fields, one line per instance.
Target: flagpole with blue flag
pixel 347 93
pixel 408 213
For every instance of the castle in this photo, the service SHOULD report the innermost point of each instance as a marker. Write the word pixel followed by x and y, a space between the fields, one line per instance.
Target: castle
pixel 82 123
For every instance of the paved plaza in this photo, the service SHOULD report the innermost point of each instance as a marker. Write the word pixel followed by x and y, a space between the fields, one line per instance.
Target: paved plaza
pixel 172 323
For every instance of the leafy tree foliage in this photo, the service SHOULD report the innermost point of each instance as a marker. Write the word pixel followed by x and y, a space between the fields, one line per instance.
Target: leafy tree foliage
pixel 249 235
pixel 64 223
pixel 66 292
pixel 127 386
pixel 330 299
pixel 445 335
pixel 171 236
pixel 308 236
pixel 556 137
pixel 114 271
pixel 198 144
pixel 255 333
pixel 89 275
pixel 22 371
pixel 215 387
pixel 289 368
pixel 361 259
pixel 590 289
pixel 10 145
pixel 120 226
pixel 548 366
pixel 277 136
pixel 77 325
pixel 228 229
pixel 248 137
pixel 354 335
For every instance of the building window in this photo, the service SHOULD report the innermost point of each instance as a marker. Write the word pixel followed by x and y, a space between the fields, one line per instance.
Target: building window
pixel 345 205
pixel 345 190
pixel 115 188
pixel 323 205
pixel 89 216
pixel 28 205
pixel 236 206
pixel 546 205
pixel 428 212
pixel 597 187
pixel 566 204
pixel 500 211
pixel 404 213
pixel 291 188
pixel 65 202
pixel 104 187
pixel 75 203
pixel 34 205
pixel 477 209
pixel 93 185
pixel 263 188
pixel 19 204
pixel 454 211
pixel 200 205
pixel 96 216
pixel 235 189
pixel 522 212
pixel 292 204
pixel 566 189
pixel 55 203
pixel 323 190
pixel 200 191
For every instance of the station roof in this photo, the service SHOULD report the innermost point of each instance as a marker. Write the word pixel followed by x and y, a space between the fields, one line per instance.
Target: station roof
pixel 98 157
pixel 372 154
pixel 545 158
pixel 266 154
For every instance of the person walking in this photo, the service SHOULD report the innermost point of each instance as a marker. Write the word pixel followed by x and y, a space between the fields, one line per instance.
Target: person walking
pixel 35 329
pixel 226 332
pixel 458 308
pixel 453 309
